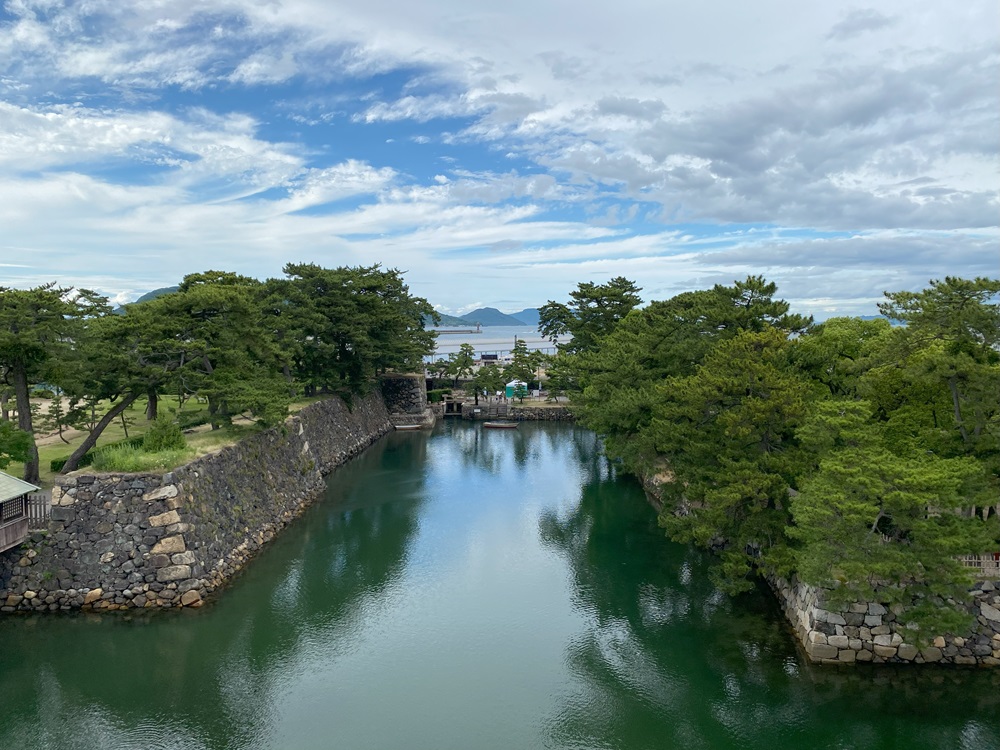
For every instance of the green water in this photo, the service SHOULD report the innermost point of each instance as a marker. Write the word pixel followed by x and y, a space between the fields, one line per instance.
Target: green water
pixel 469 589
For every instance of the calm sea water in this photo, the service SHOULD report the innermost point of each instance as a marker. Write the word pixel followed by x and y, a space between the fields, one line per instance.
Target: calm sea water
pixel 470 589
pixel 492 340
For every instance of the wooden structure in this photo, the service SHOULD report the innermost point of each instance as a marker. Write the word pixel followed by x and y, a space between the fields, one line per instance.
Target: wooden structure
pixel 983 566
pixel 14 510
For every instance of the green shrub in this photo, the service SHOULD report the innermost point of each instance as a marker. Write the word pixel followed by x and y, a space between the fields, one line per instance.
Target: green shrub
pixel 436 395
pixel 133 459
pixel 187 420
pixel 56 464
pixel 163 435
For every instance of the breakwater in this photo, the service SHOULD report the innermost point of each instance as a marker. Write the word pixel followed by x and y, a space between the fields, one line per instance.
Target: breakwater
pixel 124 541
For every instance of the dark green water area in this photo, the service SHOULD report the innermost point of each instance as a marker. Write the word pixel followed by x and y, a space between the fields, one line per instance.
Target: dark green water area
pixel 470 589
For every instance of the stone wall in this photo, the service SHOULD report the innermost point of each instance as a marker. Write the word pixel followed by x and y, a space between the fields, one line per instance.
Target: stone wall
pixel 872 632
pixel 541 414
pixel 406 398
pixel 518 413
pixel 119 541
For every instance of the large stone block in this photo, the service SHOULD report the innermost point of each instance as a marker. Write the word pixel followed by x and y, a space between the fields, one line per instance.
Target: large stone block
pixel 990 613
pixel 169 545
pixel 173 573
pixel 161 493
pixel 932 654
pixel 821 651
pixel 165 519
pixel 62 514
pixel 183 558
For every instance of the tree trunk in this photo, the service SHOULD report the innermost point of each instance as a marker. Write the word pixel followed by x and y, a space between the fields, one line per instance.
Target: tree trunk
pixel 152 404
pixel 953 387
pixel 73 461
pixel 20 376
pixel 4 412
pixel 213 412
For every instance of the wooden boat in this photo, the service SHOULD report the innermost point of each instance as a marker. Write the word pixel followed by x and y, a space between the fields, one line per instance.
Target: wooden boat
pixel 500 425
pixel 408 427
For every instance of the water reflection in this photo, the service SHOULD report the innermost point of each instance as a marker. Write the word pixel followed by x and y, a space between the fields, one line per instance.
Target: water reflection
pixel 209 678
pixel 469 589
pixel 667 661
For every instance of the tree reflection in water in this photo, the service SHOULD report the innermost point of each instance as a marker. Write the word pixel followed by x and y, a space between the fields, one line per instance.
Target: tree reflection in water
pixel 667 661
pixel 298 594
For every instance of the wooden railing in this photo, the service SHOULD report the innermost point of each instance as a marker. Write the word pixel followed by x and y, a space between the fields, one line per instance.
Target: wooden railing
pixel 39 508
pixel 984 566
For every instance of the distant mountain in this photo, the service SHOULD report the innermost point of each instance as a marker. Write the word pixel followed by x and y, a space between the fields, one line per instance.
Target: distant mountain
pixel 490 316
pixel 157 293
pixel 447 321
pixel 528 315
pixel 120 310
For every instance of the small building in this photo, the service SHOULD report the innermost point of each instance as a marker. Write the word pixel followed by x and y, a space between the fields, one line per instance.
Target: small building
pixel 514 385
pixel 13 510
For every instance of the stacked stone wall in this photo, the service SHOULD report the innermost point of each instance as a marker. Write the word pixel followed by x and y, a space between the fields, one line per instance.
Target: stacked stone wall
pixel 518 413
pixel 406 399
pixel 125 541
pixel 541 414
pixel 873 632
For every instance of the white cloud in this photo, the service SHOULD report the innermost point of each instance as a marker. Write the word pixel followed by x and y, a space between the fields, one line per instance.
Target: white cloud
pixel 878 121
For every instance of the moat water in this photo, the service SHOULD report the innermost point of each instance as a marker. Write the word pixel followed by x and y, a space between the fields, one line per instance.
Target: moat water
pixel 470 589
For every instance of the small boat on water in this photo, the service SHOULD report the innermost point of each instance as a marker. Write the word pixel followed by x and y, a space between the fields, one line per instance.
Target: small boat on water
pixel 408 427
pixel 500 425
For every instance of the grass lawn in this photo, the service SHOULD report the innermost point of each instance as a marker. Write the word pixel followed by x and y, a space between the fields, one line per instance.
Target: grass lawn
pixel 201 439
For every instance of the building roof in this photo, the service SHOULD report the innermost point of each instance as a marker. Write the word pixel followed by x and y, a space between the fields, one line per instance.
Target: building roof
pixel 11 487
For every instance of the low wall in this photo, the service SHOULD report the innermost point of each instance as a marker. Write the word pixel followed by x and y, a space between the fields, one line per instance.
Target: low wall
pixel 518 413
pixel 118 541
pixel 872 632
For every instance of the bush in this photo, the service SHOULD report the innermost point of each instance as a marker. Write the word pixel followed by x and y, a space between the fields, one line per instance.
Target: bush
pixel 187 420
pixel 56 464
pixel 437 394
pixel 163 435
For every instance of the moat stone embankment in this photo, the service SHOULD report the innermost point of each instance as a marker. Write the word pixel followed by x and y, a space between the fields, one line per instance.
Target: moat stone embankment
pixel 871 632
pixel 121 541
pixel 515 412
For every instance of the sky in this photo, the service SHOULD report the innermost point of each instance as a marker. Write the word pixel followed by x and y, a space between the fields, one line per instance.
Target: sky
pixel 501 153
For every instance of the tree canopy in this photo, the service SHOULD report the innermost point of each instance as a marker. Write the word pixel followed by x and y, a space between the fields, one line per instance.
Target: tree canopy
pixel 243 345
pixel 854 453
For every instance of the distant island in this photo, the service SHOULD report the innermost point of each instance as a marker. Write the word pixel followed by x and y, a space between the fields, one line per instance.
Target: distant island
pixel 490 316
pixel 484 316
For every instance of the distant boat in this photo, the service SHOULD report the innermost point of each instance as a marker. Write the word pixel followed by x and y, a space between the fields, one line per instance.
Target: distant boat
pixel 409 427
pixel 500 425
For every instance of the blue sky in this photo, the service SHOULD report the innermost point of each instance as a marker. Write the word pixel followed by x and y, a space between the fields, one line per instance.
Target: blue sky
pixel 501 156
